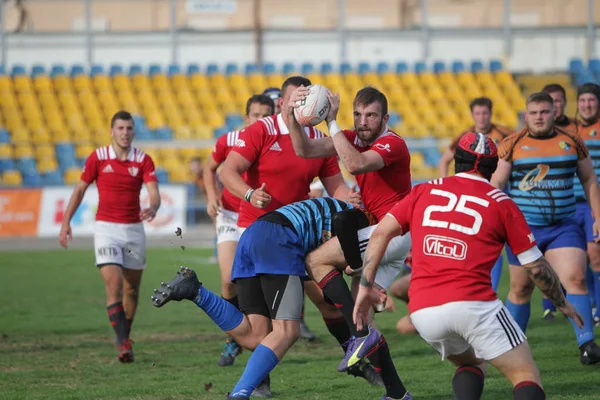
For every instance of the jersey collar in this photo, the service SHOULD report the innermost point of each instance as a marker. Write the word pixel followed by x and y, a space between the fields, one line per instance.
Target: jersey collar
pixel 283 129
pixel 112 155
pixel 471 176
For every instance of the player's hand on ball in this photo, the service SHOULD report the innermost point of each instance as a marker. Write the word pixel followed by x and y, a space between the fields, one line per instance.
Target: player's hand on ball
pixel 570 312
pixel 148 214
pixel 213 207
pixel 65 235
pixel 334 101
pixel 297 95
pixel 260 198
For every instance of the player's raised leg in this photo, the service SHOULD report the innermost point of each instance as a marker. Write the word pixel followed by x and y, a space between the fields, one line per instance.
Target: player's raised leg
pixel 570 264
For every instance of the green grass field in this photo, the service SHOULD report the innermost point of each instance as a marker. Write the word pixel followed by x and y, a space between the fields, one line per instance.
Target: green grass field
pixel 56 343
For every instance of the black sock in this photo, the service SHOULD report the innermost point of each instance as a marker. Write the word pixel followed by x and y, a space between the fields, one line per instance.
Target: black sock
pixel 346 225
pixel 528 391
pixel 381 360
pixel 339 330
pixel 234 301
pixel 334 286
pixel 468 383
pixel 118 320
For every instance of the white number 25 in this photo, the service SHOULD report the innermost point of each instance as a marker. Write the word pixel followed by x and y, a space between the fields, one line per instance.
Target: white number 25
pixel 458 205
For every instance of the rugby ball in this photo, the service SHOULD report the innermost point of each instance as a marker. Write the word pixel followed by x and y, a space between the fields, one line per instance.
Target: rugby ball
pixel 314 108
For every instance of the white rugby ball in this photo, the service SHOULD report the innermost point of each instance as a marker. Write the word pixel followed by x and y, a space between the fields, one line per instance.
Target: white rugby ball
pixel 314 108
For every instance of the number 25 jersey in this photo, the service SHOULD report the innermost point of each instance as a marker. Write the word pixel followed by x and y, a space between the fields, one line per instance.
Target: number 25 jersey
pixel 458 226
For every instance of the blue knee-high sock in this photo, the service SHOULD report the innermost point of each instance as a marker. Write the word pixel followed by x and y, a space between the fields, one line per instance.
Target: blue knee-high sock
pixel 222 312
pixel 497 273
pixel 260 364
pixel 520 312
pixel 548 305
pixel 597 292
pixel 581 302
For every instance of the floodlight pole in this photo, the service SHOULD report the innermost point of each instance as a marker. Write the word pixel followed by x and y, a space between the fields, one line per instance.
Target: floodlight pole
pixel 425 29
pixel 507 31
pixel 89 40
pixel 342 31
pixel 173 31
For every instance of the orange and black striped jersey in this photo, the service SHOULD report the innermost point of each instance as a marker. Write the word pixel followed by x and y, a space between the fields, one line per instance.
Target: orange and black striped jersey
pixel 541 179
pixel 590 134
pixel 497 132
pixel 566 123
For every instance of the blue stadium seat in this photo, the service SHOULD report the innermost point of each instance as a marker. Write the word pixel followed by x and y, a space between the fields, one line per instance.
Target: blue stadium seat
pixel 2 69
pixel 218 132
pixel 138 121
pixel 432 156
pixel 57 69
pixel 193 69
pixel 162 176
pixel 420 67
pixel 173 69
pixel 289 68
pixel 65 151
pixel 458 66
pixel 4 136
pixel 594 65
pixel 77 69
pixel 234 121
pixel 7 164
pixel 116 69
pixel 96 69
pixel 364 67
pixel 154 69
pixel 212 69
pixel 231 68
pixel 476 66
pixel 38 69
pixel 439 66
pixel 164 133
pixel 142 133
pixel 326 68
pixel 32 179
pixel 585 77
pixel 268 68
pixel 26 165
pixel 401 67
pixel 308 68
pixel 135 69
pixel 394 119
pixel 496 65
pixel 67 163
pixel 576 66
pixel 53 178
pixel 80 162
pixel 383 67
pixel 251 68
pixel 18 69
pixel 345 68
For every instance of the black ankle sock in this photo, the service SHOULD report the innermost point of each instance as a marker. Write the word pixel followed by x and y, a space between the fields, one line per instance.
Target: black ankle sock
pixel 118 320
pixel 335 288
pixel 381 359
pixel 528 391
pixel 339 330
pixel 468 383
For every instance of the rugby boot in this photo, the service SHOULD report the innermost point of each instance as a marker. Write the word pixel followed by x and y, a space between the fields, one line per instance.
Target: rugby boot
pixel 407 396
pixel 185 285
pixel 589 353
pixel 264 389
pixel 230 351
pixel 359 348
pixel 126 354
pixel 365 370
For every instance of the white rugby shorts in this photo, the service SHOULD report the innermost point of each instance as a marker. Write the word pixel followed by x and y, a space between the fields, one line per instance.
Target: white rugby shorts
pixel 453 328
pixel 393 259
pixel 226 225
pixel 120 244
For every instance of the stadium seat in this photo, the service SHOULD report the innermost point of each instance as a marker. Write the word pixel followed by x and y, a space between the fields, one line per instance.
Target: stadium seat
pixel 268 68
pixel 162 176
pixel 212 69
pixel 439 66
pixel 37 69
pixel 401 67
pixel 496 65
pixel 72 176
pixel 251 68
pixel 12 178
pixel 345 68
pixel 173 69
pixel 326 68
pixel 220 131
pixel 288 68
pixel 231 68
pixel 154 69
pixel 594 65
pixel 193 69
pixel 476 66
pixel 116 69
pixel 57 69
pixel 458 66
pixel 7 164
pixel 576 66
pixel 77 69
pixel 4 136
pixel 420 67
pixel 96 69
pixel 364 67
pixel 53 178
pixel 18 69
pixel 135 69
pixel 307 68
pixel 32 179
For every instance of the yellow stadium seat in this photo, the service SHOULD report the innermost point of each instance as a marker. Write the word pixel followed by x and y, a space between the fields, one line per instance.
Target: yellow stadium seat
pixel 23 151
pixel 40 136
pixel 6 151
pixel 315 78
pixel 188 152
pixel 47 165
pixel 73 175
pixel 257 83
pixel 84 150
pixel 12 178
pixel 44 151
pixel 275 80
pixel 140 82
pixel 199 81
pixel 465 78
pixel 203 132
pixel 5 83
pixel 101 82
pixel 43 84
pixel 180 175
pixel 20 136
pixel 82 82
pixel 22 83
pixel 172 163
pixel 62 82
pixel 180 82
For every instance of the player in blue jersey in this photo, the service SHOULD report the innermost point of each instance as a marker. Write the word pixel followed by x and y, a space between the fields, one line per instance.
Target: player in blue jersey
pixel 539 163
pixel 268 270
pixel 588 110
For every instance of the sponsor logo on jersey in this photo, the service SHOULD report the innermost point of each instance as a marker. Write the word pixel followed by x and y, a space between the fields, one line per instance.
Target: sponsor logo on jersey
pixel 533 177
pixel 593 133
pixel 240 143
pixel 442 246
pixel 529 148
pixel 275 147
pixel 133 171
pixel 385 147
pixel 564 145
pixel 108 169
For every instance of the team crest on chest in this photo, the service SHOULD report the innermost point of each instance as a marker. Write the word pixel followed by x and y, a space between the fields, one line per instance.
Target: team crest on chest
pixel 133 171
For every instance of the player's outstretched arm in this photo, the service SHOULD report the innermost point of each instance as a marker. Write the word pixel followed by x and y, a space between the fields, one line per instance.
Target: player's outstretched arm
pixel 544 277
pixel 303 146
pixel 213 194
pixel 589 181
pixel 74 202
pixel 148 214
pixel 444 163
pixel 501 175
